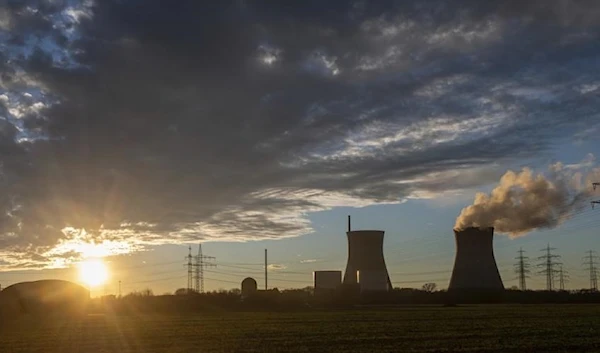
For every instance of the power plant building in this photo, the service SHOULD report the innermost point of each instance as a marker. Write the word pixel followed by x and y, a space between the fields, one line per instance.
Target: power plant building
pixel 366 264
pixel 327 281
pixel 373 280
pixel 474 265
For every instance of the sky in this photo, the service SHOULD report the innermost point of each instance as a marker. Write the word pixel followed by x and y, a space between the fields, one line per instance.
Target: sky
pixel 130 130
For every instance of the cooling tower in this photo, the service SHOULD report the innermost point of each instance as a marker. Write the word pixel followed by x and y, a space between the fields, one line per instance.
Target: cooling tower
pixel 475 265
pixel 366 265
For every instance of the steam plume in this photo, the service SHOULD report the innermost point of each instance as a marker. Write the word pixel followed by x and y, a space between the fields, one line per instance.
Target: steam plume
pixel 525 201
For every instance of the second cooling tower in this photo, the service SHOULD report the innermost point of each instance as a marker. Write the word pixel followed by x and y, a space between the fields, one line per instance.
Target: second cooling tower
pixel 366 265
pixel 475 266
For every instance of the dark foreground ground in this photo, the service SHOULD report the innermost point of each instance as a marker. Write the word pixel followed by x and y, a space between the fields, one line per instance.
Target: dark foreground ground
pixel 536 328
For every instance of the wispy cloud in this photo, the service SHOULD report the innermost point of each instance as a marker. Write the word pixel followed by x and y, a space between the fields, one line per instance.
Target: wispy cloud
pixel 276 267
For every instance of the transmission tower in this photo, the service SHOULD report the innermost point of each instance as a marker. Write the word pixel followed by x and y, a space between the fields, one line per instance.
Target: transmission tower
pixel 591 260
pixel 597 202
pixel 549 263
pixel 201 262
pixel 522 269
pixel 198 270
pixel 190 270
pixel 563 277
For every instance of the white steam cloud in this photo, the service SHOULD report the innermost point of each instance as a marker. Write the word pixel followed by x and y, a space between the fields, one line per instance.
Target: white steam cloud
pixel 524 201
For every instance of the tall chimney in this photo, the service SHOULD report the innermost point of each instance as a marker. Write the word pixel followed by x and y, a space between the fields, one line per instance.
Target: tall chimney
pixel 349 224
pixel 474 265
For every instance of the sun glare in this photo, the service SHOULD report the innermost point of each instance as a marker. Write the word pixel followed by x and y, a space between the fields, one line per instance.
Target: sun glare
pixel 93 272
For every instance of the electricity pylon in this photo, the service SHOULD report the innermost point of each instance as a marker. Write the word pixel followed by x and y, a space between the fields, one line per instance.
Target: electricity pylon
pixel 591 260
pixel 522 269
pixel 190 270
pixel 563 277
pixel 202 261
pixel 549 266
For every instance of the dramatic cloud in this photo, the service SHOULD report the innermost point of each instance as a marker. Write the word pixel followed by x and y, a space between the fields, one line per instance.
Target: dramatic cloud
pixel 525 201
pixel 150 122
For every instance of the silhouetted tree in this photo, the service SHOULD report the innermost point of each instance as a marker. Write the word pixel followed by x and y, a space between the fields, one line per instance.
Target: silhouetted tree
pixel 143 293
pixel 429 287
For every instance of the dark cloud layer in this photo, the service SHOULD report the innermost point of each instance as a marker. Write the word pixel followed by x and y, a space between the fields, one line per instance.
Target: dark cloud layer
pixel 159 121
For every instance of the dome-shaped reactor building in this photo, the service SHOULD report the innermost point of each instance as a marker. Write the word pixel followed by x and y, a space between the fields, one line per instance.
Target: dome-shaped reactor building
pixel 249 287
pixel 474 265
pixel 366 264
pixel 42 297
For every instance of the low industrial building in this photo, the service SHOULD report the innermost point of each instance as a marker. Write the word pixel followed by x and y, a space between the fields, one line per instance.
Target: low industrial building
pixel 326 282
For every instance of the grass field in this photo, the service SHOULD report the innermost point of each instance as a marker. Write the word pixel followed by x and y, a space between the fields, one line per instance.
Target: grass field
pixel 559 328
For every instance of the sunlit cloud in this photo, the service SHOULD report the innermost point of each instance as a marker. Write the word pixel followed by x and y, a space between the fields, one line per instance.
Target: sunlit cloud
pixel 79 245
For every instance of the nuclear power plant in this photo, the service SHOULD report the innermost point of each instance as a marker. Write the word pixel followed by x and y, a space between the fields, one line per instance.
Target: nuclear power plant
pixel 474 265
pixel 366 264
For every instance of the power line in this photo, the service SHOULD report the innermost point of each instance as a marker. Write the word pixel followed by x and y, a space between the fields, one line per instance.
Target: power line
pixel 277 279
pixel 522 269
pixel 549 264
pixel 257 272
pixel 591 260
pixel 412 282
pixel 242 263
pixel 156 280
pixel 248 269
pixel 595 202
pixel 221 280
pixel 420 273
pixel 159 273
pixel 149 265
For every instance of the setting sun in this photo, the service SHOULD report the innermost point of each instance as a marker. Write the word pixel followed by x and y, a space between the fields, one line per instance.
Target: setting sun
pixel 93 272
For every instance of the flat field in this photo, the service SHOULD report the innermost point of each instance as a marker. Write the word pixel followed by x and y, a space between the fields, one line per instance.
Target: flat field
pixel 492 328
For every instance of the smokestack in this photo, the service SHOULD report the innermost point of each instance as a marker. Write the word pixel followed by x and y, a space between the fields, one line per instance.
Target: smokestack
pixel 349 224
pixel 366 264
pixel 475 265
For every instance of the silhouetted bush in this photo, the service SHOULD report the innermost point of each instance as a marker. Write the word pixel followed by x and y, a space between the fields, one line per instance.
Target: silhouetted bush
pixel 346 297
